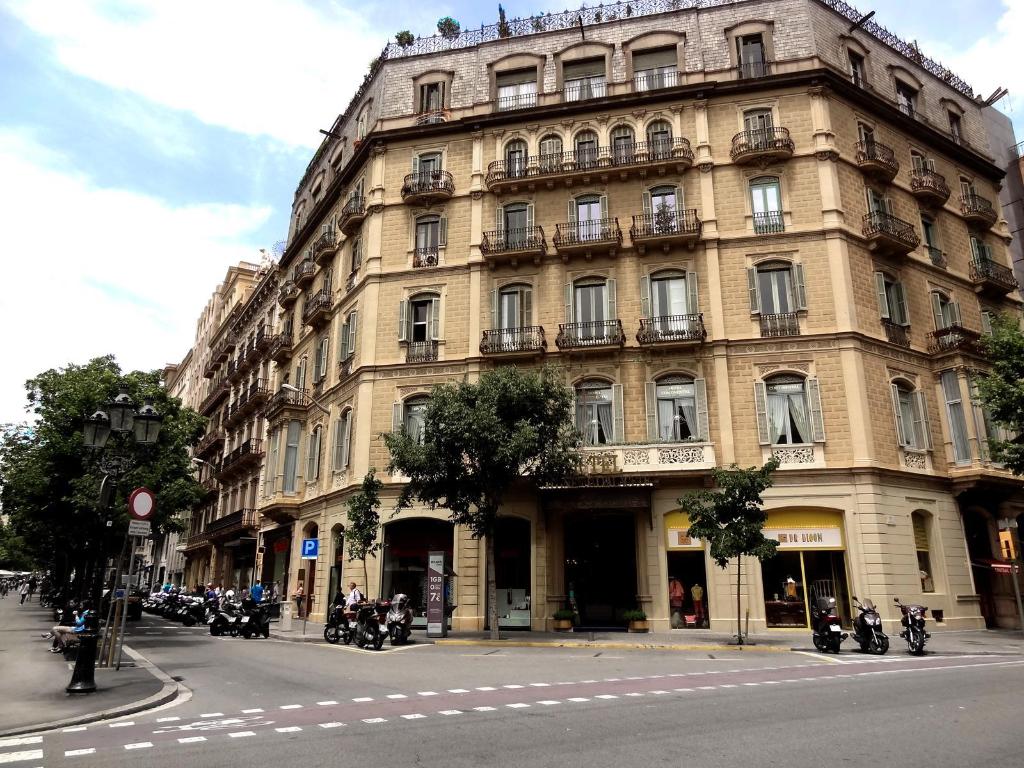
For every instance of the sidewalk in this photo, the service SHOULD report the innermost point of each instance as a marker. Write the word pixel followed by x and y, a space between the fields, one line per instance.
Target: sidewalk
pixel 32 695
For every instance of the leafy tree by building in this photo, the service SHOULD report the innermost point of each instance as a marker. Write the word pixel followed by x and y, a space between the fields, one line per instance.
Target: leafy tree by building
pixel 1001 391
pixel 364 522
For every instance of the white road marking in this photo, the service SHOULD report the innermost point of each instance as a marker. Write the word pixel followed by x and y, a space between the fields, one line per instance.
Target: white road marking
pixel 426 693
pixel 375 720
pixel 17 757
pixel 245 712
pixel 549 702
pixel 484 709
pixel 326 703
pixel 79 752
pixel 21 740
pixel 167 719
pixel 139 745
pixel 659 693
pixel 363 699
pixel 397 696
pixel 416 716
pixel 486 688
pixel 457 690
pixel 76 729
pixel 191 739
pixel 241 734
pixel 771 682
pixel 331 725
pixel 752 685
pixel 727 686
pixel 130 722
pixel 212 714
pixel 291 706
pixel 512 686
pixel 578 698
pixel 612 679
pixel 701 688
pixel 634 694
pixel 288 729
pixel 517 706
pixel 540 685
pixel 606 696
pixel 450 712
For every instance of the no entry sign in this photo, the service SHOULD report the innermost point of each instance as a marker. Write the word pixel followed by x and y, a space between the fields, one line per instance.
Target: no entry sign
pixel 141 504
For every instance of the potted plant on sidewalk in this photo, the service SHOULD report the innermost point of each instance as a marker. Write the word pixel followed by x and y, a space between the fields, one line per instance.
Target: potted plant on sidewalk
pixel 563 619
pixel 637 620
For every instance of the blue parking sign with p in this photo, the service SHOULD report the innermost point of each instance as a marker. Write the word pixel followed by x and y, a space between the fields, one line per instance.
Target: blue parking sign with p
pixel 310 549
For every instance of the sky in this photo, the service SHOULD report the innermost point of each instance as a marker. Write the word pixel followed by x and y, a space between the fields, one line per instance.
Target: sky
pixel 147 145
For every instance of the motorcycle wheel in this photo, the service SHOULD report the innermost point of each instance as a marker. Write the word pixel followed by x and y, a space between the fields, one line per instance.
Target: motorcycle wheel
pixel 917 643
pixel 188 621
pixel 266 631
pixel 360 638
pixel 833 644
pixel 818 643
pixel 883 646
pixel 378 641
pixel 214 630
pixel 247 633
pixel 346 636
pixel 234 631
pixel 332 635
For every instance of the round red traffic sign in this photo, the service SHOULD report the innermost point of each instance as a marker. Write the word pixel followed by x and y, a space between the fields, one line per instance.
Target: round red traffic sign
pixel 141 503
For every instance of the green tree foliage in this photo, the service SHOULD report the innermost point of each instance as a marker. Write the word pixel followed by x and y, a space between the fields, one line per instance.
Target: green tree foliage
pixel 730 518
pixel 50 482
pixel 363 522
pixel 14 554
pixel 1002 390
pixel 479 439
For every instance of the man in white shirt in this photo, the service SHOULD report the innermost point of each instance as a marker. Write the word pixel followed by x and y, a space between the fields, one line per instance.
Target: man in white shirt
pixel 354 595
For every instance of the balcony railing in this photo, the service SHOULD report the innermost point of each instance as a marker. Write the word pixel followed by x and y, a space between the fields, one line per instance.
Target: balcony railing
pixel 750 69
pixel 317 307
pixel 529 338
pixel 644 152
pixel 653 80
pixel 894 234
pixel 288 295
pixel 303 272
pixel 896 333
pixel 352 214
pixel 432 117
pixel 769 223
pixel 197 541
pixel 238 520
pixel 988 273
pixel 242 456
pixel 285 399
pixel 929 186
pixel 281 347
pixel 877 158
pixel 587 234
pixel 516 240
pixel 425 256
pixel 324 246
pixel 780 324
pixel 761 143
pixel 955 338
pixel 655 330
pixel 212 439
pixel 978 209
pixel 593 89
pixel 421 352
pixel 666 223
pixel 519 101
pixel 593 333
pixel 428 184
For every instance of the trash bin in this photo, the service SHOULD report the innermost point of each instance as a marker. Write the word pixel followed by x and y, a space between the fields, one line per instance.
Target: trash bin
pixel 285 624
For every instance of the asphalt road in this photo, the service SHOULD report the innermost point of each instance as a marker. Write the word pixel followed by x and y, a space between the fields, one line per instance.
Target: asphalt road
pixel 261 702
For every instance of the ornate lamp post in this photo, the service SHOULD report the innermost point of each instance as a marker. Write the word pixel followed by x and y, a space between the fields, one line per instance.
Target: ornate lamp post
pixel 142 426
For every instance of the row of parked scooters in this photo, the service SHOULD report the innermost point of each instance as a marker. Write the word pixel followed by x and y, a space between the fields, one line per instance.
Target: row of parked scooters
pixel 368 624
pixel 224 615
pixel 828 633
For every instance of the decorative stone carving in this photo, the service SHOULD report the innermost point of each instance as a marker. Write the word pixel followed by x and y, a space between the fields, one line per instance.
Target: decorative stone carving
pixel 705 167
pixel 600 463
pixel 827 154
pixel 684 454
pixel 636 457
pixel 914 460
pixel 800 455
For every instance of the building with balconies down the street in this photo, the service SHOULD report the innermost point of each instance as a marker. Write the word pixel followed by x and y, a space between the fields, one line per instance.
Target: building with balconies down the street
pixel 741 230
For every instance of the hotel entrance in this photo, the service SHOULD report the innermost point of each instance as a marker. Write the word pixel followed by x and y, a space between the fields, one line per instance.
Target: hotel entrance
pixel 600 567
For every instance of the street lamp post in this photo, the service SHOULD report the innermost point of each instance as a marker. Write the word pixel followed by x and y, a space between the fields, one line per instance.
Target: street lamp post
pixel 143 426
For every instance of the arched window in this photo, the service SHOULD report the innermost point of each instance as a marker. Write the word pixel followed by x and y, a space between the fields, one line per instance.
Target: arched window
pixel 677 409
pixel 911 416
pixel 659 139
pixel 669 305
pixel 515 158
pixel 623 144
pixel 586 148
pixel 414 418
pixel 550 160
pixel 342 440
pixel 789 410
pixel 512 308
pixel 599 412
pixel 766 205
pixel 589 214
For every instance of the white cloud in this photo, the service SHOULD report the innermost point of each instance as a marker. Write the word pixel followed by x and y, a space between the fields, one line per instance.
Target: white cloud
pixel 88 270
pixel 280 68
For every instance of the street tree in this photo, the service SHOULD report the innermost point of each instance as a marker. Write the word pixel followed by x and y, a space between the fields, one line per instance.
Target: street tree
pixel 730 518
pixel 481 438
pixel 50 482
pixel 364 522
pixel 1001 391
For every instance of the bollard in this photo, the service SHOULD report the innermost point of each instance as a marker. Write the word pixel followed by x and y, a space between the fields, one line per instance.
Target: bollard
pixel 285 624
pixel 83 679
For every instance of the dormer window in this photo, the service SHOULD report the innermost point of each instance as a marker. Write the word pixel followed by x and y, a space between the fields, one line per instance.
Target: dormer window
pixel 655 68
pixel 517 89
pixel 431 97
pixel 751 55
pixel 955 127
pixel 584 79
pixel 906 99
pixel 858 69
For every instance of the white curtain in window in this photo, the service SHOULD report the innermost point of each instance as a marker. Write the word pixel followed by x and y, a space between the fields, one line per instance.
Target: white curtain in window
pixel 604 419
pixel 778 415
pixel 798 412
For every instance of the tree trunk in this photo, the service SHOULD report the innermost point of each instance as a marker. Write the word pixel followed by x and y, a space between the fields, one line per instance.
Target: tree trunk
pixel 366 580
pixel 492 587
pixel 739 583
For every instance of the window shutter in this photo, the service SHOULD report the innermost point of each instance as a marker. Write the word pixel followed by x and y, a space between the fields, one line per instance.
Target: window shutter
pixel 651 399
pixel 343 342
pixel 415 164
pixel 499 218
pixel 572 210
pixel 801 291
pixel 604 206
pixel 529 219
pixel 755 302
pixel 902 314
pixel 648 209
pixel 403 320
pixel 325 352
pixel 761 409
pixel 494 309
pixel 397 416
pixel 442 231
pixel 645 296
pixel 883 300
pixel 568 302
pixel 610 289
pixel 435 318
pixel 917 161
pixel 692 299
pixel 921 420
pixel 700 394
pixel 339 438
pixel 817 417
pixel 318 363
pixel 528 306
pixel 352 332
pixel 986 322
pixel 930 164
pixel 618 417
pixel 346 445
pixel 940 323
pixel 901 428
pixel 679 201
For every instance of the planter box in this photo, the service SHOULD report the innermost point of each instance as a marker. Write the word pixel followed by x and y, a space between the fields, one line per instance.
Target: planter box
pixel 639 626
pixel 563 625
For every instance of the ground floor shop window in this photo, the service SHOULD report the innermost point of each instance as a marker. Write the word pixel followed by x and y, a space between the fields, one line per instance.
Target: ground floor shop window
pixel 687 595
pixel 512 572
pixel 337 561
pixel 407 544
pixel 792 579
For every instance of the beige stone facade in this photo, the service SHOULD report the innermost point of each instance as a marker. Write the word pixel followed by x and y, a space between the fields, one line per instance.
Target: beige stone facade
pixel 740 232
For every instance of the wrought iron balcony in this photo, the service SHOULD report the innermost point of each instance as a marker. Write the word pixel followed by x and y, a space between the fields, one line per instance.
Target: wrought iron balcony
pixel 513 244
pixel 324 248
pixel 425 256
pixel 665 227
pixel 350 281
pixel 236 523
pixel 752 69
pixel 428 187
pixel 514 341
pixel 654 80
pixel 675 152
pixel 519 101
pixel 281 348
pixel 929 187
pixel 352 215
pixel 936 256
pixel 197 541
pixel 896 333
pixel 955 339
pixel 288 294
pixel 421 352
pixel 246 455
pixel 432 117
pixel 989 276
pixel 595 235
pixel 769 222
pixel 302 274
pixel 295 403
pixel 779 324
pixel 210 442
pixel 877 160
pixel 251 398
pixel 977 210
pixel 318 308
pixel 889 235
pixel 216 392
pixel 763 145
pixel 585 91
pixel 672 329
pixel 590 334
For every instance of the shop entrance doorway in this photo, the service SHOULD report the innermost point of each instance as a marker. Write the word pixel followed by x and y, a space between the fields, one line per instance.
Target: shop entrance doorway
pixel 512 573
pixel 687 590
pixel 407 544
pixel 337 562
pixel 600 568
pixel 792 580
pixel 979 547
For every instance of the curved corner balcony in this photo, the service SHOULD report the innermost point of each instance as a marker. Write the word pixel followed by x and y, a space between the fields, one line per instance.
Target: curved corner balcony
pixel 302 274
pixel 428 187
pixel 763 146
pixel 324 248
pixel 877 160
pixel 318 308
pixel 992 277
pixel 288 295
pixel 978 211
pixel 888 235
pixel 352 215
pixel 929 187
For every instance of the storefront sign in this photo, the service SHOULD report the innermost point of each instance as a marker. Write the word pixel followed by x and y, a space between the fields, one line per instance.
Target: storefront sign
pixel 806 538
pixel 281 545
pixel 680 538
pixel 436 625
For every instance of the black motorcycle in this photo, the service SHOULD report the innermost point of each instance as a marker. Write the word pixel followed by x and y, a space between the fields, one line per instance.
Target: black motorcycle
pixel 399 620
pixel 867 629
pixel 827 633
pixel 371 626
pixel 913 626
pixel 339 626
pixel 227 620
pixel 255 619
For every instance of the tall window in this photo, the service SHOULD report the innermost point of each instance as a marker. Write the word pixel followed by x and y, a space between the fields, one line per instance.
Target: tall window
pixel 623 144
pixel 320 363
pixel 679 409
pixel 590 301
pixel 981 252
pixel 661 204
pixel 432 97
pixel 516 158
pixel 428 237
pixel 427 163
pixel 906 98
pixel 550 159
pixel 513 307
pixel 911 417
pixel 776 287
pixel 931 238
pixel 955 417
pixel 313 454
pixel 766 205
pixel 414 420
pixel 655 69
pixel 515 221
pixel 751 55
pixel 986 427
pixel 892 299
pixel 945 311
pixel 659 139
pixel 858 70
pixel 669 299
pixel 357 253
pixel 589 212
pixel 584 79
pixel 789 410
pixel 291 456
pixel 956 127
pixel 342 440
pixel 347 345
pixel 597 412
pixel 273 456
pixel 518 89
pixel 919 521
pixel 420 319
pixel 585 145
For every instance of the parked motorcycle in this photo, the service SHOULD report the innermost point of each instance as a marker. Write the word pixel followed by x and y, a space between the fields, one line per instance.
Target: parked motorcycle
pixel 371 624
pixel 340 626
pixel 399 620
pixel 227 620
pixel 195 612
pixel 913 626
pixel 867 629
pixel 827 634
pixel 255 619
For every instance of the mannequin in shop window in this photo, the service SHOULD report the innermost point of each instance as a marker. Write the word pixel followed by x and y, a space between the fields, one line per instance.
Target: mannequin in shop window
pixel 790 588
pixel 676 595
pixel 697 593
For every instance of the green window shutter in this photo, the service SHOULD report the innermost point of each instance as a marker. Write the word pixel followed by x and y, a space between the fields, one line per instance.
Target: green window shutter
pixel 679 201
pixel 986 322
pixel 692 298
pixel 817 417
pixel 346 449
pixel 761 409
pixel 883 300
pixel 499 218
pixel 325 345
pixel 902 314
pixel 397 416
pixel 435 318
pixel 648 210
pixel 528 306
pixel 610 290
pixel 700 392
pixel 604 206
pixel 645 296
pixel 755 302
pixel 318 363
pixel 568 302
pixel 619 430
pixel 352 332
pixel 651 400
pixel 901 428
pixel 403 320
pixel 494 309
pixel 529 218
pixel 442 231
pixel 976 248
pixel 339 437
pixel 572 210
pixel 343 341
pixel 956 313
pixel 940 322
pixel 801 291
pixel 921 421
pixel 415 163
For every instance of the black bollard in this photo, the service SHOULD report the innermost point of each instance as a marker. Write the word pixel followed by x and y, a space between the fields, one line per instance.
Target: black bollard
pixel 83 679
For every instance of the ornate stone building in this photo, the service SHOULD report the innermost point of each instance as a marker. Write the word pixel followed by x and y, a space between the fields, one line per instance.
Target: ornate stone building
pixel 744 230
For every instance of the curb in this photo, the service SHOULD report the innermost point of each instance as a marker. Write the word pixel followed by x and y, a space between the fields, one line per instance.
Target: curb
pixel 300 639
pixel 611 646
pixel 169 692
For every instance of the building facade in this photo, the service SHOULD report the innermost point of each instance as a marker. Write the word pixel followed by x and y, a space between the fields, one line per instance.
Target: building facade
pixel 753 229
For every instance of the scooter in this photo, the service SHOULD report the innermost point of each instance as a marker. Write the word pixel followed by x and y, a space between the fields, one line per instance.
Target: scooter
pixel 255 619
pixel 339 626
pixel 913 626
pixel 827 634
pixel 867 629
pixel 371 626
pixel 399 620
pixel 226 620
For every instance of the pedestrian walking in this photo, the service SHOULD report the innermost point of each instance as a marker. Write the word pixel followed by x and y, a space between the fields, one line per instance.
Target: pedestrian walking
pixel 23 590
pixel 31 587
pixel 300 597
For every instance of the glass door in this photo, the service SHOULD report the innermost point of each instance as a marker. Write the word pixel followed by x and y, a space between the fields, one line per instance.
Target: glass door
pixel 588 218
